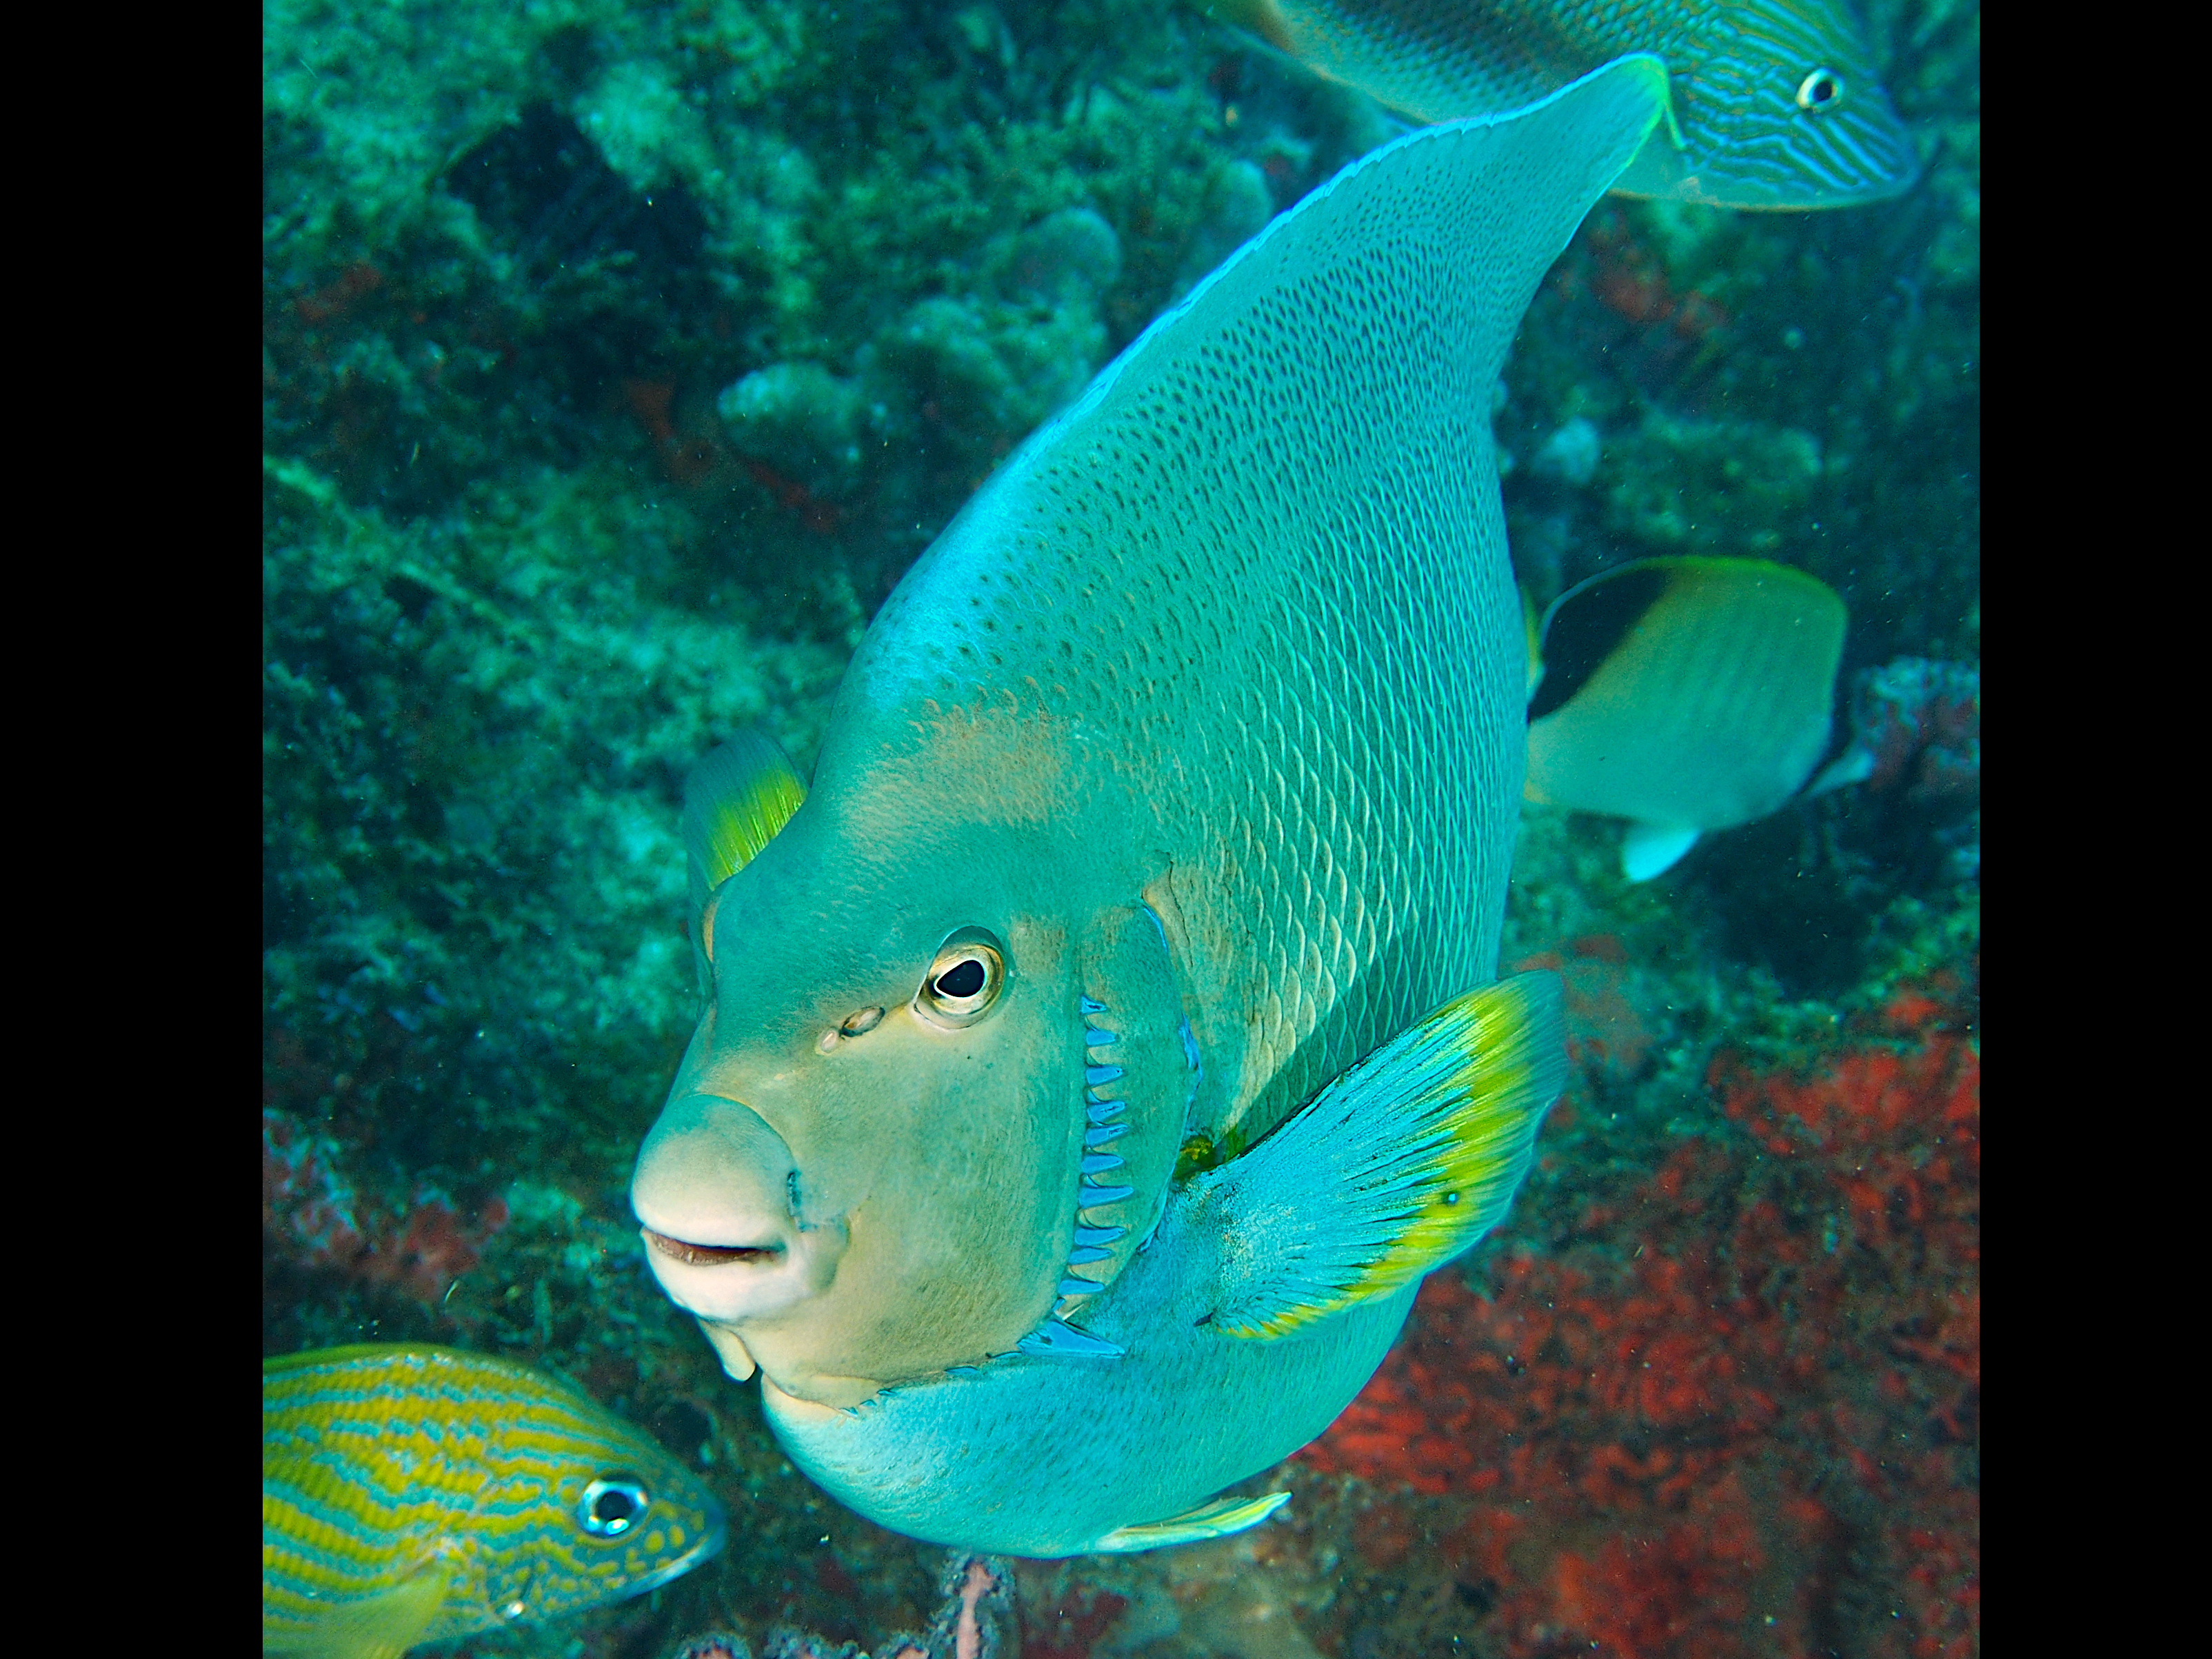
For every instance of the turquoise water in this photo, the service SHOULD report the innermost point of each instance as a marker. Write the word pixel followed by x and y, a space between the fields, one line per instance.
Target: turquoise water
pixel 617 359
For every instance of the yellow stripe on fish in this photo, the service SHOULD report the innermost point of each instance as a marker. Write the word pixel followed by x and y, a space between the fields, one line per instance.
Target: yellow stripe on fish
pixel 412 1494
pixel 1776 103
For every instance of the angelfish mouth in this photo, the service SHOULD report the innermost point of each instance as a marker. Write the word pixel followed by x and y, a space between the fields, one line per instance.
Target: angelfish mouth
pixel 708 1256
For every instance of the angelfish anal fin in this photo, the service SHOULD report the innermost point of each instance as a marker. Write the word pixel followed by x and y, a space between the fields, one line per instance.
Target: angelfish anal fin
pixel 1649 848
pixel 1393 1169
pixel 380 1626
pixel 1217 1519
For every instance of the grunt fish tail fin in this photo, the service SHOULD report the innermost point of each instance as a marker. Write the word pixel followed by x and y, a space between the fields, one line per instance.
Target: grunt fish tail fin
pixel 1395 1167
pixel 735 801
pixel 1532 638
pixel 1216 1519
pixel 380 1626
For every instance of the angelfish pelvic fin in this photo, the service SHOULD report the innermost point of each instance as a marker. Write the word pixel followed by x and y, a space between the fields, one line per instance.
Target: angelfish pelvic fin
pixel 1217 1519
pixel 1649 848
pixel 735 801
pixel 1395 1167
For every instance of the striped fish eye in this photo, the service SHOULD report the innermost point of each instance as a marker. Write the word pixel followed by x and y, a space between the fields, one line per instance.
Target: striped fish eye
pixel 1821 90
pixel 964 980
pixel 611 1505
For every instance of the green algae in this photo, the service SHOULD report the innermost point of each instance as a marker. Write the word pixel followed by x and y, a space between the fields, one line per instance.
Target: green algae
pixel 474 730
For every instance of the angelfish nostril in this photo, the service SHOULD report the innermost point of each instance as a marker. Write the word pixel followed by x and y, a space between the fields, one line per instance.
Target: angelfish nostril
pixel 708 1256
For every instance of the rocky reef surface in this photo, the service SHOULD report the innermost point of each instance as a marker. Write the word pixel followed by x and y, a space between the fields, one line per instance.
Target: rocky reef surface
pixel 617 360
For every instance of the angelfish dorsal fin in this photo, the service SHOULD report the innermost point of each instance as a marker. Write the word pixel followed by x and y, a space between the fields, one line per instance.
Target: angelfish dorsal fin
pixel 735 801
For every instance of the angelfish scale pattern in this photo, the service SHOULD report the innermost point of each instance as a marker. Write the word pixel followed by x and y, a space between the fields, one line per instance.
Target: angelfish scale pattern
pixel 1264 592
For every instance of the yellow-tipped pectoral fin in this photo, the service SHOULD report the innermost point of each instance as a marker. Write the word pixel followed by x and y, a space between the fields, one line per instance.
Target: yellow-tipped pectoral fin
pixel 1216 1519
pixel 1395 1167
pixel 380 1626
pixel 734 802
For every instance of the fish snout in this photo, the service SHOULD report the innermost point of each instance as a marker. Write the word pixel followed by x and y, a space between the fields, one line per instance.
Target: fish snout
pixel 715 1195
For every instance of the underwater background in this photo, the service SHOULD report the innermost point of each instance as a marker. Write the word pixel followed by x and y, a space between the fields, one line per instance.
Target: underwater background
pixel 617 361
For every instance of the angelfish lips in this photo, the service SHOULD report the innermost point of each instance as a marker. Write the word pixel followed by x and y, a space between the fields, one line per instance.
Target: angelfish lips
pixel 714 1194
pixel 710 1255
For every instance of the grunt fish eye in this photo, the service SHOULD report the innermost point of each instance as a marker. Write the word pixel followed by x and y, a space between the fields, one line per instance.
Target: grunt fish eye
pixel 1821 90
pixel 964 983
pixel 611 1505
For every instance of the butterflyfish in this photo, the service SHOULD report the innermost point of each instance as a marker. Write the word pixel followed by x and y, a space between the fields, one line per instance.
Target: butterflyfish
pixel 410 1494
pixel 1686 695
pixel 1776 103
pixel 1099 1054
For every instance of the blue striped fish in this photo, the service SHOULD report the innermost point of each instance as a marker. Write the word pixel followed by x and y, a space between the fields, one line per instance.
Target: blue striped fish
pixel 1775 103
pixel 411 1494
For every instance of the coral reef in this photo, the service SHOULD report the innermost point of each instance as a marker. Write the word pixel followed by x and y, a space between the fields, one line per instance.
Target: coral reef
pixel 617 358
pixel 313 1217
pixel 1920 726
pixel 977 1621
pixel 1742 1393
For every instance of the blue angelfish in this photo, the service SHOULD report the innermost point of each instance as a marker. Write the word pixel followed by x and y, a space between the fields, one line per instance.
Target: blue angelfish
pixel 1100 1051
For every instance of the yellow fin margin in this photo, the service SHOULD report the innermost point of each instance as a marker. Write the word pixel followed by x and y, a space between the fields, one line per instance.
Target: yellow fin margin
pixel 1217 1519
pixel 1514 1066
pixel 734 802
pixel 1401 1162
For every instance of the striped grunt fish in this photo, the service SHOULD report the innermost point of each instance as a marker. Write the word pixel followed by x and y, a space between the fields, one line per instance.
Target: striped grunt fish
pixel 1776 103
pixel 410 1494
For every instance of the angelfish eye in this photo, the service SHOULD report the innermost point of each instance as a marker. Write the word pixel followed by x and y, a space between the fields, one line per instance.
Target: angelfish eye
pixel 1821 90
pixel 611 1505
pixel 963 982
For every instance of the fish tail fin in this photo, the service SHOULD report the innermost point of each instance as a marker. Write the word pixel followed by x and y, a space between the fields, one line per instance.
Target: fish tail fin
pixel 380 1626
pixel 1532 637
pixel 1397 1165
